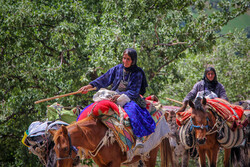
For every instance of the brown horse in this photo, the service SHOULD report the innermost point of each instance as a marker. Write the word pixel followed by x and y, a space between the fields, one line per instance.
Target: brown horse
pixel 204 124
pixel 92 136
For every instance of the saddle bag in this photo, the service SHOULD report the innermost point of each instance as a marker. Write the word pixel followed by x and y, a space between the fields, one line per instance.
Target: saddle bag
pixel 186 134
pixel 228 138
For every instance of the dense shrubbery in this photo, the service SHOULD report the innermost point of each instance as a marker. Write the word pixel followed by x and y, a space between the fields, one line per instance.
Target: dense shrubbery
pixel 54 47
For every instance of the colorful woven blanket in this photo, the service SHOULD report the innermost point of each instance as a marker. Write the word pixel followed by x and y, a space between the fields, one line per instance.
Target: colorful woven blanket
pixel 233 114
pixel 117 120
pixel 124 133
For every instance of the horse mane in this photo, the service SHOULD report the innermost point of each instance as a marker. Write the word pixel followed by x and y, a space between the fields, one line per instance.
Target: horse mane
pixel 88 121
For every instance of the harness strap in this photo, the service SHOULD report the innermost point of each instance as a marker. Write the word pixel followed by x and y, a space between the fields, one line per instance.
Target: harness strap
pixel 104 140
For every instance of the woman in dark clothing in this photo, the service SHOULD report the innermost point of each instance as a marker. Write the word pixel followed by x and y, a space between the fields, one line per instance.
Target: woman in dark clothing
pixel 129 80
pixel 208 83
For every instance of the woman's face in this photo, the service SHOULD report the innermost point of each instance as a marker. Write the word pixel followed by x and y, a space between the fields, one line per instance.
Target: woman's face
pixel 210 75
pixel 126 60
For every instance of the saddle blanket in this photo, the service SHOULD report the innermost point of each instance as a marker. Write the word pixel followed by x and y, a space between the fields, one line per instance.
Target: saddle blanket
pixel 123 131
pixel 233 114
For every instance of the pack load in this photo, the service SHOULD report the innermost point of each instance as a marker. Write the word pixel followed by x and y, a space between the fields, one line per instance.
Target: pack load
pixel 38 139
pixel 58 112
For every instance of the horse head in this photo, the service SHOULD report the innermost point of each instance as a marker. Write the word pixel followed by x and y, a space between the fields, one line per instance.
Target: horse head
pixel 66 153
pixel 201 119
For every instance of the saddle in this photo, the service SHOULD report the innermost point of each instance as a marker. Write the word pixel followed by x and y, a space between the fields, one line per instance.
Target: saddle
pixel 116 119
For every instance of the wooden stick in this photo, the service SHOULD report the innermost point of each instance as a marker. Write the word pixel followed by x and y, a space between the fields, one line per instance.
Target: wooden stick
pixel 59 96
pixel 174 100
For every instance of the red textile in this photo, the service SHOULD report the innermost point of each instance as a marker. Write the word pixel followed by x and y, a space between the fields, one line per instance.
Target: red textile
pixel 222 107
pixel 226 109
pixel 104 107
pixel 181 117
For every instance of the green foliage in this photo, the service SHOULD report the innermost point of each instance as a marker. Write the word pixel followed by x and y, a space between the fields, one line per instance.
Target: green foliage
pixel 54 47
pixel 230 58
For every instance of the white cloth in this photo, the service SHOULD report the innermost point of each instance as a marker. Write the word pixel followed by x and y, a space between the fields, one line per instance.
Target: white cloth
pixel 122 100
pixel 162 131
pixel 104 94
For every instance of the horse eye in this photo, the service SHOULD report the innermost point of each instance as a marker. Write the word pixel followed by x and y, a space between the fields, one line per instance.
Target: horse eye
pixel 65 149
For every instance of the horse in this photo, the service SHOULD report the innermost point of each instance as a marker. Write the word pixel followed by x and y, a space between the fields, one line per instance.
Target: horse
pixel 179 152
pixel 240 156
pixel 203 121
pixel 97 142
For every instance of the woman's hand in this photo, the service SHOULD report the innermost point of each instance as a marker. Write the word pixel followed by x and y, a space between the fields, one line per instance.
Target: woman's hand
pixel 114 98
pixel 85 89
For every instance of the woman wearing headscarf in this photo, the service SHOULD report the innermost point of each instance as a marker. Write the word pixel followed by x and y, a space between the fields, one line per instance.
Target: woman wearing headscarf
pixel 208 83
pixel 129 80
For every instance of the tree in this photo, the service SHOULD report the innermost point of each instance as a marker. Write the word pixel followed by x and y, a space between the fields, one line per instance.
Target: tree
pixel 54 47
pixel 230 58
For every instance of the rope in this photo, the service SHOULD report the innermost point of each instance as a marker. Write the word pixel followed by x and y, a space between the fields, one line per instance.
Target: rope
pixel 103 142
pixel 211 131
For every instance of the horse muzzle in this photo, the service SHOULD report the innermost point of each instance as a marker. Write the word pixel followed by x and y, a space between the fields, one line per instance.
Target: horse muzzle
pixel 201 141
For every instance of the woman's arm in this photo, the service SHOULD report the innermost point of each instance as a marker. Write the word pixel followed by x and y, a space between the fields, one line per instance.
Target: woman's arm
pixel 192 94
pixel 105 80
pixel 222 92
pixel 85 89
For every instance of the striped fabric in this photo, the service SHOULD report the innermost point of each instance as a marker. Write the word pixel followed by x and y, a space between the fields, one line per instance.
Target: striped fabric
pixel 233 114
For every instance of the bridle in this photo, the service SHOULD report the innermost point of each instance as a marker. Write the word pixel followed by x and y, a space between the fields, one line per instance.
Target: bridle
pixel 199 126
pixel 71 147
pixel 210 130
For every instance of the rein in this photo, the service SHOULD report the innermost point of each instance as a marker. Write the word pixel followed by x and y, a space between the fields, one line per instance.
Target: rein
pixel 71 147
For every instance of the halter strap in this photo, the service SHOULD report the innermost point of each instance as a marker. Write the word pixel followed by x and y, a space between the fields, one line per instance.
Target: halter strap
pixel 71 147
pixel 199 126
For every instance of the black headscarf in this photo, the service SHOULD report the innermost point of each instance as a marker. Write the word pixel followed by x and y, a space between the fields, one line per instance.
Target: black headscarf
pixel 133 55
pixel 134 68
pixel 211 85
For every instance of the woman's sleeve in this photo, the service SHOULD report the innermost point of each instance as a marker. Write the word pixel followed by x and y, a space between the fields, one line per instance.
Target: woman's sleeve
pixel 192 94
pixel 105 80
pixel 134 87
pixel 222 93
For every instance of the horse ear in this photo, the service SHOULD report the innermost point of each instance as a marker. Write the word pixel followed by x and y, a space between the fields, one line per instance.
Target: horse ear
pixel 64 130
pixel 191 104
pixel 204 101
pixel 52 131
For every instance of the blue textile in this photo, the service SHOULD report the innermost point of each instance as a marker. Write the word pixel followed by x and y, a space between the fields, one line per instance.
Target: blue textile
pixel 141 121
pixel 136 85
pixel 83 111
